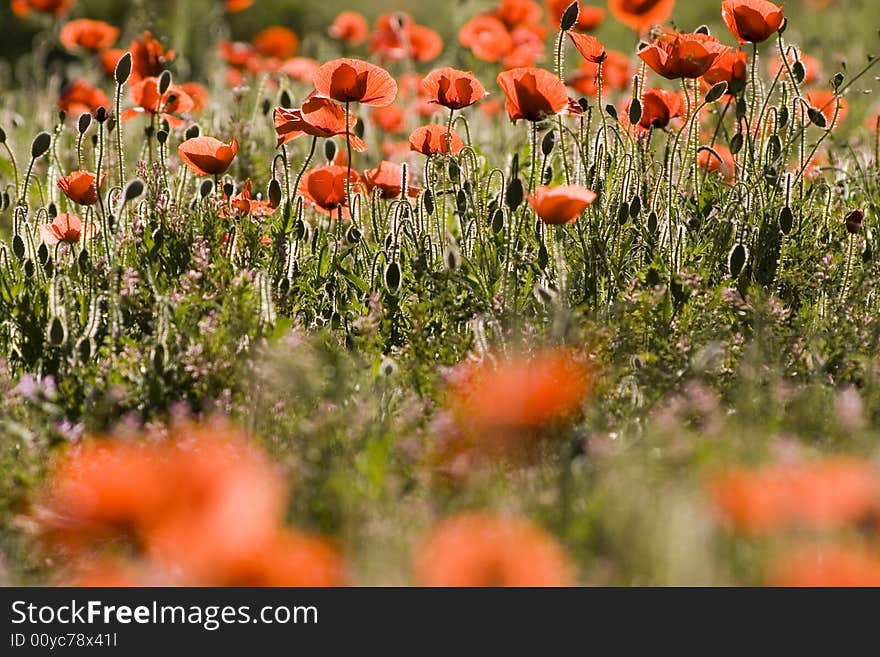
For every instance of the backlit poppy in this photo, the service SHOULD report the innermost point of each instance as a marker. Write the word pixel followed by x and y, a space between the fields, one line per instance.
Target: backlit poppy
pixel 390 119
pixel 80 187
pixel 349 27
pixel 675 55
pixel 641 15
pixel 55 7
pixel 589 17
pixel 148 57
pixel 387 178
pixel 66 227
pixel 355 81
pixel 532 94
pixel 729 67
pixel 145 95
pixel 590 48
pixel 752 21
pixel 324 187
pixel 718 160
pixel 396 36
pixel 561 205
pixel 479 549
pixel 659 107
pixel 616 71
pixel 514 13
pixel 827 566
pixel 277 42
pixel 318 117
pixel 452 88
pixel 486 37
pixel 435 140
pixel 245 204
pixel 82 98
pixel 207 156
pixel 86 34
pixel 528 47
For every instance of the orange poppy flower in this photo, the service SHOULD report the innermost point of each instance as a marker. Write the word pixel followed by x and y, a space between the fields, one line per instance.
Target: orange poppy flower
pixel 324 187
pixel 67 228
pixel 452 88
pixel 277 42
pixel 390 119
pixel 730 67
pixel 349 27
pixel 812 66
pixel 299 68
pixel 528 48
pixel 318 117
pixel 435 140
pixel 590 48
pixel 720 161
pixel 80 187
pixel 827 567
pixel 199 95
pixel 237 53
pixel 355 81
pixel 589 17
pixel 82 98
pixel 486 37
pixel 397 36
pixel 659 107
pixel 532 94
pixel 676 55
pixel 616 70
pixel 480 549
pixel 751 21
pixel 56 7
pixel 561 205
pixel 206 156
pixel 514 13
pixel 245 205
pixel 387 178
pixel 145 95
pixel 148 57
pixel 235 6
pixel 86 34
pixel 821 495
pixel 109 59
pixel 641 15
pixel 826 101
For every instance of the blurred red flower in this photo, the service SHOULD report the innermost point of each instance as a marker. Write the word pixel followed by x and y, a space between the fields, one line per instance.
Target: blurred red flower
pixel 561 205
pixel 82 97
pixel 86 34
pixel 641 15
pixel 277 42
pixel 349 27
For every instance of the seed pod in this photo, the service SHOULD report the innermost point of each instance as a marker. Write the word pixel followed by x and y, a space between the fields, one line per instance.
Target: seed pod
pixel 299 230
pixel 635 206
pixel 192 132
pixel 123 69
pixel 570 17
pixel 623 213
pixel 786 220
pixel 782 117
pixel 162 137
pixel 837 80
pixel 653 223
pixel 428 200
pixel 43 253
pixel 393 277
pixel 57 332
pixel 816 117
pixel 164 82
pixel 498 221
pixel 133 189
pixel 206 188
pixel 736 143
pixel 461 202
pixel 716 92
pixel 635 111
pixel 774 147
pixel 611 111
pixel 285 99
pixel 40 145
pixel 18 248
pixel 548 143
pixel 736 261
pixel 52 210
pixel 29 268
pixel 543 256
pixel 101 114
pixel 85 120
pixel 454 171
pixel 353 235
pixel 514 166
pixel 515 194
pixel 329 150
pixel 84 349
pixel 228 189
pixel 274 193
pixel 266 106
pixel 854 221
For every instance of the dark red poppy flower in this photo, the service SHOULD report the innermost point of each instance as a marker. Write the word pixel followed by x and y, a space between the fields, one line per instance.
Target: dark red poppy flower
pixel 355 81
pixel 206 156
pixel 752 21
pixel 80 187
pixel 514 13
pixel 390 119
pixel 245 204
pixel 453 88
pixel 589 17
pixel 641 15
pixel 148 57
pixel 349 27
pixel 659 107
pixel 324 188
pixel 388 179
pixel 532 94
pixel 486 37
pixel 67 228
pixel 55 7
pixel 82 98
pixel 616 71
pixel 86 34
pixel 730 68
pixel 590 48
pixel 276 41
pixel 435 140
pixel 145 95
pixel 561 205
pixel 676 55
pixel 318 117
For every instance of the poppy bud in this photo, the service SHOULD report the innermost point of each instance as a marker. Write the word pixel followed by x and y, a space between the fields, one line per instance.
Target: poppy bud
pixel 101 114
pixel 161 136
pixel 266 106
pixel 454 171
pixel 736 143
pixel 451 258
pixel 40 145
pixel 84 349
pixel 228 189
pixel 786 220
pixel 782 116
pixel 623 213
pixel 498 221
pixel 548 143
pixel 548 175
pixel 611 111
pixel 165 84
pixel 18 248
pixel 285 99
pixel 330 150
pixel 635 206
pixel 653 223
pixel 798 71
pixel 837 80
pixel 133 190
pixel 206 188
pixel 736 261
pixel 353 235
pixel 816 117
pixel 584 103
pixel 62 116
pixel 123 69
pixel 570 17
pixel 854 221
pixel 393 277
pixel 85 120
pixel 57 332
pixel 635 111
pixel 83 261
pixel 52 210
pixel 774 147
pixel 515 194
pixel 428 200
pixel 716 92
pixel 274 193
pixel 192 132
pixel 43 253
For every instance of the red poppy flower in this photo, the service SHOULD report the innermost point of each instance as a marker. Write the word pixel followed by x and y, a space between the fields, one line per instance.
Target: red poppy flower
pixel 659 107
pixel 235 6
pixel 67 228
pixel 82 98
pixel 532 94
pixel 812 66
pixel 390 119
pixel 318 117
pixel 479 549
pixel 676 55
pixel 387 178
pixel 56 7
pixel 826 101
pixel 396 36
pixel 528 47
pixel 616 71
pixel 148 57
pixel 730 68
pixel 206 156
pixel 145 95
pixel 589 17
pixel 355 81
pixel 641 15
pixel 561 205
pixel 277 42
pixel 80 187
pixel 453 88
pixel 199 95
pixel 86 34
pixel 432 140
pixel 109 59
pixel 324 188
pixel 752 21
pixel 827 566
pixel 349 27
pixel 590 48
pixel 245 204
pixel 299 68
pixel 486 37
pixel 517 12
pixel 718 160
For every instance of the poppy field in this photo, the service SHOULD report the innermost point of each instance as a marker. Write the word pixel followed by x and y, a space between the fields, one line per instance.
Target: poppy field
pixel 503 293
